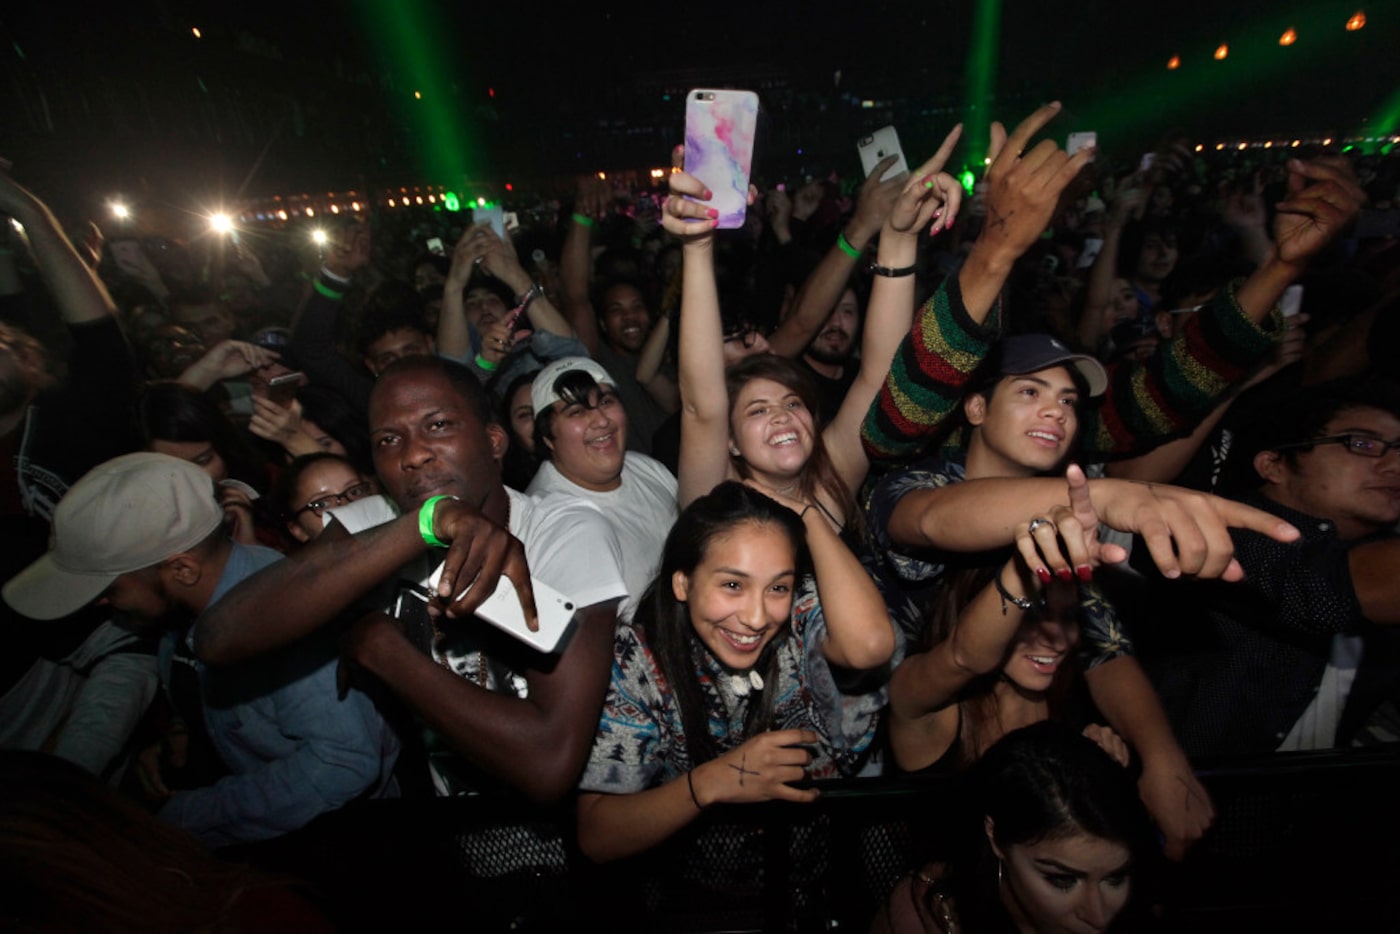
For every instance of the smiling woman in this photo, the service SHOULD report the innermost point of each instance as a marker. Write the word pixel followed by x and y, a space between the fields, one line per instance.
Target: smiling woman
pixel 722 689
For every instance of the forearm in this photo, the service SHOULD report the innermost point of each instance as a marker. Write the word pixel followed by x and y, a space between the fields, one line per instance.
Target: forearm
pixel 1165 463
pixel 615 826
pixel 975 515
pixel 537 744
pixel 1260 293
pixel 859 633
pixel 653 351
pixel 453 333
pixel 704 401
pixel 312 587
pixel 1126 698
pixel 77 291
pixel 575 265
pixel 1099 290
pixel 928 375
pixel 818 295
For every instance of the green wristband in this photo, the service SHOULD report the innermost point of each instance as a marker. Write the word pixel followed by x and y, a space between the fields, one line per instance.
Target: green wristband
pixel 425 521
pixel 485 364
pixel 846 247
pixel 327 291
pixel 583 220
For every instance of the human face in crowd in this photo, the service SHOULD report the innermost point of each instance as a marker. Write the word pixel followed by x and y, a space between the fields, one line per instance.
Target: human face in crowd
pixel 1123 304
pixel 836 340
pixel 1029 423
pixel 212 322
pixel 740 595
pixel 426 275
pixel 140 594
pixel 1041 646
pixel 484 308
pixel 522 418
pixel 589 442
pixel 1158 257
pixel 396 344
pixel 771 428
pixel 428 441
pixel 625 321
pixel 199 453
pixel 324 485
pixel 1360 494
pixel 1075 884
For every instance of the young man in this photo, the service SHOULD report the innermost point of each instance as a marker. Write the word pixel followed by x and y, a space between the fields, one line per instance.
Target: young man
pixel 145 534
pixel 1300 654
pixel 581 429
pixel 1022 421
pixel 829 355
pixel 518 716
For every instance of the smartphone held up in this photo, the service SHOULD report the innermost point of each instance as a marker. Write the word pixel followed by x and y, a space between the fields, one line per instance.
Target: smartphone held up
pixel 719 143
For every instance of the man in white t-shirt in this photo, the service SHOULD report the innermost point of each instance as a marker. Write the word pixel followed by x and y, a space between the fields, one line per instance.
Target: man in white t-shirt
pixel 581 428
pixel 522 717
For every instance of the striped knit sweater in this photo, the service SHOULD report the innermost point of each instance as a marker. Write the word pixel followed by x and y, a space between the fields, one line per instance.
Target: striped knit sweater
pixel 1146 403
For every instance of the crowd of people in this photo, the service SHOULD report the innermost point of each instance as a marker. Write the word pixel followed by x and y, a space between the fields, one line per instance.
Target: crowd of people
pixel 1055 482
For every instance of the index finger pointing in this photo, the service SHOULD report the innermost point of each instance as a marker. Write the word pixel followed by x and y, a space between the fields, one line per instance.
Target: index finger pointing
pixel 1025 130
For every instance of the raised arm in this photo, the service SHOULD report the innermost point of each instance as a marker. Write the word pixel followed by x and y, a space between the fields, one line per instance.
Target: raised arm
pixel 704 456
pixel 928 194
pixel 956 327
pixel 576 261
pixel 1098 294
pixel 657 383
pixel 76 290
pixel 822 288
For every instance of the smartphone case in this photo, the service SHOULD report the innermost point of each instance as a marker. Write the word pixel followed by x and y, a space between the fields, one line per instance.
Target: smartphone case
pixel 883 142
pixel 719 140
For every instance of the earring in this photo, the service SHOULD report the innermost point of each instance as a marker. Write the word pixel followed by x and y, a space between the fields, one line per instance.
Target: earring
pixel 1000 880
pixel 733 450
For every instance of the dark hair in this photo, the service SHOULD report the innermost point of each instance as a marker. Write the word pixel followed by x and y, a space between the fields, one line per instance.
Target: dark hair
pixel 987 378
pixel 1303 414
pixel 818 473
pixel 1133 238
pixel 394 306
pixel 1047 781
pixel 573 387
pixel 333 414
pixel 663 622
pixel 173 412
pixel 462 380
pixel 292 474
pixel 519 465
pixel 30 368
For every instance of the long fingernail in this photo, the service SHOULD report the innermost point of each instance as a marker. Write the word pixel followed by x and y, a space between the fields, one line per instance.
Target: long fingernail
pixel 709 194
pixel 713 212
pixel 1085 572
pixel 1044 575
pixel 1065 574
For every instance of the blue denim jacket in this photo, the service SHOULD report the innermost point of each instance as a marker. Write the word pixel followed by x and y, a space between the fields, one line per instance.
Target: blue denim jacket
pixel 294 749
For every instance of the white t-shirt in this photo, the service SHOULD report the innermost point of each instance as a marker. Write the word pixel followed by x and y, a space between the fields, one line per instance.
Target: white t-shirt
pixel 641 512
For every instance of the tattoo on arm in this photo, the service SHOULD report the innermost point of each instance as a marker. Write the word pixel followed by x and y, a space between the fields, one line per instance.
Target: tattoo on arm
pixel 998 219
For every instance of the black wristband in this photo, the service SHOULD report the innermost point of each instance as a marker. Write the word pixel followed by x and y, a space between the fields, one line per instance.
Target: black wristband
pixel 891 272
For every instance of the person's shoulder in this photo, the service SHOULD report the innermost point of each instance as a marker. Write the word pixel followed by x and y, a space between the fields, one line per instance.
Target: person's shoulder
pixel 649 469
pixel 551 508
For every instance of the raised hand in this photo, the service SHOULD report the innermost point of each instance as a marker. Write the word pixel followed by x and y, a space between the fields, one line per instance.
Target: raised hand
pixel 1064 543
pixel 929 194
pixel 1023 186
pixel 874 203
pixel 227 360
pixel 479 553
pixel 759 770
pixel 1110 742
pixel 1323 197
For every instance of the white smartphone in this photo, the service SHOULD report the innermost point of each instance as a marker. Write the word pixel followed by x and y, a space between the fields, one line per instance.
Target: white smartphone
pixel 495 216
pixel 1292 301
pixel 1081 140
pixel 502 609
pixel 719 140
pixel 883 142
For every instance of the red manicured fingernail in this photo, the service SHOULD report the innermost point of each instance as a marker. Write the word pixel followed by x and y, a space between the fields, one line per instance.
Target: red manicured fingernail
pixel 1043 574
pixel 709 194
pixel 1085 572
pixel 1065 574
pixel 713 212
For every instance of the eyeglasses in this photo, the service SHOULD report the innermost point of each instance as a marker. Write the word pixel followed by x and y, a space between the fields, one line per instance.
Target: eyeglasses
pixel 747 334
pixel 331 500
pixel 1360 445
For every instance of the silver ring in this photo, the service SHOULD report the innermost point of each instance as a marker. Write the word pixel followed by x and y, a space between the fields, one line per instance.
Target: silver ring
pixel 1036 523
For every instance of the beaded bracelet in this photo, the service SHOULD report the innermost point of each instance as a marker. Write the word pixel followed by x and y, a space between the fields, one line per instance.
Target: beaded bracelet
pixel 425 521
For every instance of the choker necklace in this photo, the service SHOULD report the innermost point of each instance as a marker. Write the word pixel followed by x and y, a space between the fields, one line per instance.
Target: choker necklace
pixel 784 490
pixel 742 684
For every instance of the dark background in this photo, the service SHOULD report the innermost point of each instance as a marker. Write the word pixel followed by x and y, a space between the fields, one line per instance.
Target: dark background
pixel 294 98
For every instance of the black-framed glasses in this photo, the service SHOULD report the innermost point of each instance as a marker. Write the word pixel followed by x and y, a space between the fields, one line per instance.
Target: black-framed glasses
pixel 331 500
pixel 1360 445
